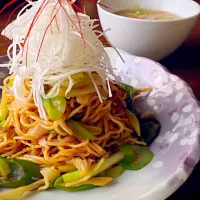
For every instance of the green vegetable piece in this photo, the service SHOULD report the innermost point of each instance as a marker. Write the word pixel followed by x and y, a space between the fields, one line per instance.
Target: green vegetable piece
pixel 2 122
pixel 110 161
pixel 85 89
pixel 134 122
pixel 72 176
pixel 129 89
pixel 79 75
pixel 61 92
pixel 30 168
pixel 72 189
pixel 76 78
pixel 55 107
pixel 144 157
pixel 93 129
pixel 129 156
pixel 3 113
pixel 135 157
pixel 22 173
pixel 9 83
pixel 87 80
pixel 115 172
pixel 4 168
pixel 79 131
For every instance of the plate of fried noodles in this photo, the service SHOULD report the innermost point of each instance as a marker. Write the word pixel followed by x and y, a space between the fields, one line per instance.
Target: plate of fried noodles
pixel 80 121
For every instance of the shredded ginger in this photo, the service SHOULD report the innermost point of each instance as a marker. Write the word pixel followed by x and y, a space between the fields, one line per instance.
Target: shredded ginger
pixel 51 47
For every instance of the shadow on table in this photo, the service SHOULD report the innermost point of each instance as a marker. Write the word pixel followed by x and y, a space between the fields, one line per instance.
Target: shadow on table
pixel 183 58
pixel 185 62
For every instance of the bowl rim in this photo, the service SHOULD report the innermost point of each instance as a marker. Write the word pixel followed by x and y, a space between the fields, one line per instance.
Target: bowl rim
pixel 100 7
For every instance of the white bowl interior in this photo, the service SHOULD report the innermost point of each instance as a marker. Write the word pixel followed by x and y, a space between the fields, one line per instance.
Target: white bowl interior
pixel 183 8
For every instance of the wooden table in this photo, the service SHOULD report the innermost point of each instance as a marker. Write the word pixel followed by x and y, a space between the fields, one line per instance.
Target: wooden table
pixel 185 63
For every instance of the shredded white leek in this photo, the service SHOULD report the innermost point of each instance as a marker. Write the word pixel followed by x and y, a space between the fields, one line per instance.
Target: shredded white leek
pixel 56 48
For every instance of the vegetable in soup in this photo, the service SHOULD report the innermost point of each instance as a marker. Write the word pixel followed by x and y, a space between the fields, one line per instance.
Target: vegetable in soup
pixel 147 14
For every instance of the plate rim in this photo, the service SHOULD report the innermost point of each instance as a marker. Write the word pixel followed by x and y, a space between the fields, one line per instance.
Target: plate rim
pixel 159 188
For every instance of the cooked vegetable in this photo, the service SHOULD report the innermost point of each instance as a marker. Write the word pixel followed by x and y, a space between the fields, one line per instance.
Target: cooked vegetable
pixel 131 107
pixel 22 173
pixel 79 131
pixel 2 122
pixel 129 99
pixel 134 122
pixel 76 175
pixel 84 178
pixel 61 92
pixel 97 181
pixel 144 157
pixel 72 176
pixel 76 78
pixel 9 83
pixel 4 168
pixel 67 168
pixel 115 172
pixel 129 155
pixel 84 89
pixel 87 80
pixel 92 129
pixel 17 194
pixel 55 107
pixel 82 85
pixel 3 113
pixel 129 89
pixel 59 181
pixel 50 174
pixel 150 128
pixel 135 157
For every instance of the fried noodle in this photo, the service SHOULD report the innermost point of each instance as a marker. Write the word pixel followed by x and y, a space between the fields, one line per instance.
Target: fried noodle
pixel 47 143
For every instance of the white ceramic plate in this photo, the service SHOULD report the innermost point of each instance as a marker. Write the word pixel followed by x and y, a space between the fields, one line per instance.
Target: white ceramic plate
pixel 176 148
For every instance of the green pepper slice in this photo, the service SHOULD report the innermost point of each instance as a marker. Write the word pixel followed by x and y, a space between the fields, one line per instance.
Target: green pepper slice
pixel 22 173
pixel 79 131
pixel 55 107
pixel 4 168
pixel 109 162
pixel 3 113
pixel 72 189
pixel 129 156
pixel 135 157
pixel 115 172
pixel 129 89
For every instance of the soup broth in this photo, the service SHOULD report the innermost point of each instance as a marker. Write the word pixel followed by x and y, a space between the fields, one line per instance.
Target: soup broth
pixel 147 14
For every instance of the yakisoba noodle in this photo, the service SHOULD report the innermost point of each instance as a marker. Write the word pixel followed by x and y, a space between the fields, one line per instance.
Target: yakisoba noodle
pixel 55 145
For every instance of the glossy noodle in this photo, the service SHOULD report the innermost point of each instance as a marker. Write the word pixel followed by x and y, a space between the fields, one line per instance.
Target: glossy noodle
pixel 25 135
